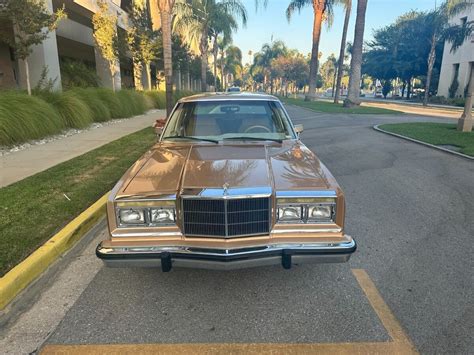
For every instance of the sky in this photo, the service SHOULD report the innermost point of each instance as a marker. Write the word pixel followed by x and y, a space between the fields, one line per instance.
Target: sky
pixel 265 24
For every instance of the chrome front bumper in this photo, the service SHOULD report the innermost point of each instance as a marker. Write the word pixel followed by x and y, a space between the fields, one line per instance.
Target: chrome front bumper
pixel 167 257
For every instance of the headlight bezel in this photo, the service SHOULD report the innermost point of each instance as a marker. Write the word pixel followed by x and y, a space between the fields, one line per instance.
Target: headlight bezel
pixel 147 209
pixel 305 205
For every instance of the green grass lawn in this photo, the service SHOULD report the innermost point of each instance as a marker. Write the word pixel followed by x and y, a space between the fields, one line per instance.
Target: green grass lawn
pixel 435 133
pixel 33 209
pixel 329 107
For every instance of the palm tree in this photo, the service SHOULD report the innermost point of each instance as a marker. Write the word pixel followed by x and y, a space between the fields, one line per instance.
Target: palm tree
pixel 322 12
pixel 233 61
pixel 199 17
pixel 264 58
pixel 222 27
pixel 456 35
pixel 340 62
pixel 166 9
pixel 222 44
pixel 356 57
pixel 438 21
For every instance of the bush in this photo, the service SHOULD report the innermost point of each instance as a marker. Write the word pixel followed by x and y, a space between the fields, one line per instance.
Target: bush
pixel 112 101
pixel 100 111
pixel 158 98
pixel 133 102
pixel 24 117
pixel 73 111
pixel 75 73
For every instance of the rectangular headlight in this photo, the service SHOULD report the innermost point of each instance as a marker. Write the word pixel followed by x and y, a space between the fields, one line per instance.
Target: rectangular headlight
pixel 290 213
pixel 307 212
pixel 320 213
pixel 132 216
pixel 144 214
pixel 163 215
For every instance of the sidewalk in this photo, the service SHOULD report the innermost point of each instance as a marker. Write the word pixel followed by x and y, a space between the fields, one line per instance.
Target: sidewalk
pixel 19 165
pixel 418 109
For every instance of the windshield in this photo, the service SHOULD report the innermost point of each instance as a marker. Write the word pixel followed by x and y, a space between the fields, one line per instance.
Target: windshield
pixel 232 119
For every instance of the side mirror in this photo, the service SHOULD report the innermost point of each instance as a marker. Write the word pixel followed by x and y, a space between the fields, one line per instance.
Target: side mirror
pixel 298 129
pixel 158 126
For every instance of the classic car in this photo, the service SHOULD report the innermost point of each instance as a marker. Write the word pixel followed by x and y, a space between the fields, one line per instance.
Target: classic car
pixel 228 185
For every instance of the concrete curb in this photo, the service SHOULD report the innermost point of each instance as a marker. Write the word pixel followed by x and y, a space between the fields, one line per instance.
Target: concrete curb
pixel 377 128
pixel 18 278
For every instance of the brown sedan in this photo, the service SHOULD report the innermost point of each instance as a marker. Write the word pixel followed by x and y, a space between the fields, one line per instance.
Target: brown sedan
pixel 228 185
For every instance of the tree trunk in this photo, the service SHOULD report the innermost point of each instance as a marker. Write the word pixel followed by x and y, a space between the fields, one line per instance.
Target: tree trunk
pixel 148 75
pixel 409 89
pixel 465 122
pixel 431 61
pixel 165 12
pixel 203 46
pixel 27 72
pixel 356 58
pixel 342 51
pixel 318 7
pixel 112 74
pixel 334 81
pixel 137 74
pixel 215 52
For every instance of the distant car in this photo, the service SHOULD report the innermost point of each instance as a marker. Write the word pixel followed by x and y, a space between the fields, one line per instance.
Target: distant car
pixel 233 89
pixel 228 185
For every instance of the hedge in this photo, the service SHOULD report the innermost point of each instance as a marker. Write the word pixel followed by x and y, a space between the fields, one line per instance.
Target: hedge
pixel 24 118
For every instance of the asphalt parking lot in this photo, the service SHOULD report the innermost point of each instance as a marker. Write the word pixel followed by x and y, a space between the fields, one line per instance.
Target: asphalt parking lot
pixel 411 210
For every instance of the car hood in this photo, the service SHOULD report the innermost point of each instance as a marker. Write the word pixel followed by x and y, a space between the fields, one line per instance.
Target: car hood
pixel 172 168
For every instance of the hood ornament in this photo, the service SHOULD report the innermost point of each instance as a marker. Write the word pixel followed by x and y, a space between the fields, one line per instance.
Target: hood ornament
pixel 226 187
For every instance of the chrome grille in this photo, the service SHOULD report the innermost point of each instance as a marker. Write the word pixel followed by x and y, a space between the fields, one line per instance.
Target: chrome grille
pixel 226 217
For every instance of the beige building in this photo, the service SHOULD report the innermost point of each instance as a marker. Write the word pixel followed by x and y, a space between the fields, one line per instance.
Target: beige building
pixel 456 65
pixel 71 41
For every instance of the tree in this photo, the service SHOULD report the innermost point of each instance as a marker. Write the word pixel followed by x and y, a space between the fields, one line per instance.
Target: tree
pixel 141 42
pixel 105 35
pixel 322 11
pixel 32 22
pixel 456 36
pixel 356 58
pixel 340 61
pixel 328 71
pixel 197 18
pixel 263 59
pixel 438 23
pixel 166 8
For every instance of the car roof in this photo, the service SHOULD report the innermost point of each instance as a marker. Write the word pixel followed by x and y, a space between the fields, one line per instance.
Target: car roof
pixel 218 96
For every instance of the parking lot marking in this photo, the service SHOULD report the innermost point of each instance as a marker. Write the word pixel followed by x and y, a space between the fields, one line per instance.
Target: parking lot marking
pixel 394 329
pixel 400 343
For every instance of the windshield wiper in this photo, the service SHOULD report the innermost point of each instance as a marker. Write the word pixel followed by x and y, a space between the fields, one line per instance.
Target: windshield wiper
pixel 193 138
pixel 254 139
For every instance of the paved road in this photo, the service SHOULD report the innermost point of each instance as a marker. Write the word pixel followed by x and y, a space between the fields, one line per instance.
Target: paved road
pixel 411 210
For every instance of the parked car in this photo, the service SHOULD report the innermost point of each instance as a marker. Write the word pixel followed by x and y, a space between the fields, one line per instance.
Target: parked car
pixel 233 89
pixel 229 184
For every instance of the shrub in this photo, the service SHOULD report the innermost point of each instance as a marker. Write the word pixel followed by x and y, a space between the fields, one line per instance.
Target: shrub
pixel 24 117
pixel 73 111
pixel 100 111
pixel 133 103
pixel 112 101
pixel 75 73
pixel 158 98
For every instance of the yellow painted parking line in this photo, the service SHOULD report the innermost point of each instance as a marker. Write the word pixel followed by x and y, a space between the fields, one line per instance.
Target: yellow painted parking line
pixel 394 329
pixel 236 348
pixel 400 343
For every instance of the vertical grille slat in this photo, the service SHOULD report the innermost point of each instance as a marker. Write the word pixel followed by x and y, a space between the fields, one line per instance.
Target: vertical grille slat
pixel 226 218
